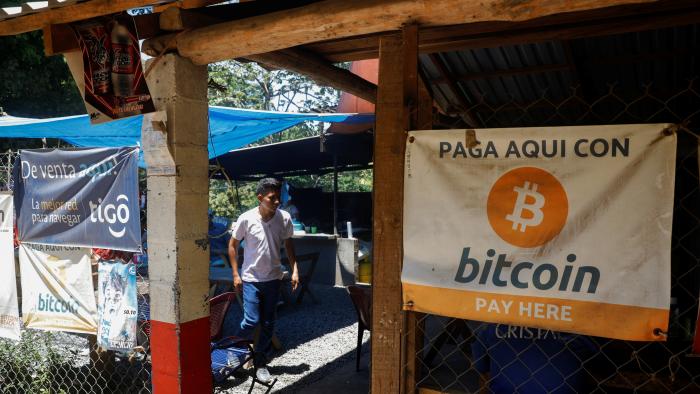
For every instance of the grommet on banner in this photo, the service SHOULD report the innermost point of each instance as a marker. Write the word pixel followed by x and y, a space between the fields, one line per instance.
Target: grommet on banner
pixel 411 139
pixel 670 130
pixel 660 333
pixel 408 304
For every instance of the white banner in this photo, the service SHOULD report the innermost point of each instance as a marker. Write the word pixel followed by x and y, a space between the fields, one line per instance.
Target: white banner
pixel 563 228
pixel 57 291
pixel 9 311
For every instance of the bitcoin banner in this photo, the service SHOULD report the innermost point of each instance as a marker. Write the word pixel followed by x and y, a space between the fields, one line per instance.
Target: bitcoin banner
pixel 562 228
pixel 57 292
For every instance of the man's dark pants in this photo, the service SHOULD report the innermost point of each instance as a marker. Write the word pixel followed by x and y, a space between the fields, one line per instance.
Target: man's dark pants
pixel 259 304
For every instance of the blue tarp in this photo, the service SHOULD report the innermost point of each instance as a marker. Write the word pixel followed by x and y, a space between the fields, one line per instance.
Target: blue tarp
pixel 229 128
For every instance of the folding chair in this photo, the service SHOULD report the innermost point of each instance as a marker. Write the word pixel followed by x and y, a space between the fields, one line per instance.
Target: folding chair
pixel 231 353
pixel 362 301
pixel 304 276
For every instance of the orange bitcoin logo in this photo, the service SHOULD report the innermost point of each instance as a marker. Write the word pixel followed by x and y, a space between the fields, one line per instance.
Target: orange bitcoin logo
pixel 527 207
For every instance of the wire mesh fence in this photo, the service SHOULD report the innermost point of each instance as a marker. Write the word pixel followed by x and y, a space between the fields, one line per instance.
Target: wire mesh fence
pixel 455 355
pixel 65 362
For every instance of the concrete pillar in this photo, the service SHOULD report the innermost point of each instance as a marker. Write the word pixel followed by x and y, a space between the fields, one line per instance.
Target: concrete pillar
pixel 177 232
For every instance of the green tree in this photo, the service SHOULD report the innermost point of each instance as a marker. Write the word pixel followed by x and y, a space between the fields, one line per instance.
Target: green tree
pixel 31 84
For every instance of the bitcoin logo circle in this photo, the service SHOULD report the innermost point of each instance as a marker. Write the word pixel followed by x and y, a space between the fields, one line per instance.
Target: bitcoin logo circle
pixel 527 207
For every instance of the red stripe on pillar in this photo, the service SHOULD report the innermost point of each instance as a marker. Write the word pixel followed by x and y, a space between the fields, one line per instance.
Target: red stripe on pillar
pixel 164 358
pixel 191 361
pixel 195 356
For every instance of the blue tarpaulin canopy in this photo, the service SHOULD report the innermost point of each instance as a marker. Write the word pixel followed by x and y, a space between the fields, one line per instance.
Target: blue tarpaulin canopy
pixel 229 128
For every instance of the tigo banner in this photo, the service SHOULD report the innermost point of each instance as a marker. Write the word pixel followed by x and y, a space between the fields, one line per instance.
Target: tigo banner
pixel 563 228
pixel 9 311
pixel 117 307
pixel 79 197
pixel 57 292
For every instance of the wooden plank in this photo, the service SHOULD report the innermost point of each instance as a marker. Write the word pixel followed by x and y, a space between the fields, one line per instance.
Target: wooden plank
pixel 446 75
pixel 389 147
pixel 69 13
pixel 415 324
pixel 332 19
pixel 410 367
pixel 555 27
pixel 175 18
pixel 320 71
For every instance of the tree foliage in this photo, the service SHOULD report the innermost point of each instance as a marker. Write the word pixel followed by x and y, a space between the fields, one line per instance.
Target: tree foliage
pixel 31 84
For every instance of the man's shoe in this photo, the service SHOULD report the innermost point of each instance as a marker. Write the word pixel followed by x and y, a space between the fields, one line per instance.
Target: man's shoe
pixel 263 375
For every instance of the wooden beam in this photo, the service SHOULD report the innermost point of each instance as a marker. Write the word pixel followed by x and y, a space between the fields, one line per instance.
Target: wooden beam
pixel 333 19
pixel 389 148
pixel 175 19
pixel 552 28
pixel 322 72
pixel 69 13
pixel 446 75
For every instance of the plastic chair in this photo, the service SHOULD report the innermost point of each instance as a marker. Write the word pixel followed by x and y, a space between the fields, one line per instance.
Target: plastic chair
pixel 362 300
pixel 230 353
pixel 218 306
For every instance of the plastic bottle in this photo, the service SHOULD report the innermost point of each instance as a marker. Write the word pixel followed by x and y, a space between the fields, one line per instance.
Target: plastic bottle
pixel 123 61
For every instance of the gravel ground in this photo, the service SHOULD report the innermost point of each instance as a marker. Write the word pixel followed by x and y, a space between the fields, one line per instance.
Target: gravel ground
pixel 318 338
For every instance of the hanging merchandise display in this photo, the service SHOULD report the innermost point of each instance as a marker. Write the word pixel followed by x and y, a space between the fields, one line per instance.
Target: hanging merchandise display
pixel 110 75
pixel 116 305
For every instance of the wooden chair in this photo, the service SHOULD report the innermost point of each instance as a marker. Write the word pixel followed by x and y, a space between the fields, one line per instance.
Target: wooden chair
pixel 362 300
pixel 306 266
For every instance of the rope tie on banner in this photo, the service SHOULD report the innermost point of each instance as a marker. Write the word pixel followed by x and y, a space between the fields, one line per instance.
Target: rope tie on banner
pixel 671 370
pixel 171 44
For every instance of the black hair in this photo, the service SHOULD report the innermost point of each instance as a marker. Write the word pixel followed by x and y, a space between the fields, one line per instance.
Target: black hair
pixel 267 185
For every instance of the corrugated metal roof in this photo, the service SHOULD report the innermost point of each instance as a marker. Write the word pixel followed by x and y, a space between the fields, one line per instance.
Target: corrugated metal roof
pixel 521 76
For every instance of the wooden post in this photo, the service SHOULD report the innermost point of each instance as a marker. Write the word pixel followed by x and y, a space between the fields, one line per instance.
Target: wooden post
pixel 396 94
pixel 415 323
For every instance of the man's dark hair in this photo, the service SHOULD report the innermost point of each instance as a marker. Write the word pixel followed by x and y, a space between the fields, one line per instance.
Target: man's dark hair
pixel 267 185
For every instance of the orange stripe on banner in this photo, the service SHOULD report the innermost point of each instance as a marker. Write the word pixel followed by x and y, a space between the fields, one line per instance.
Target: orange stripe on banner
pixel 632 323
pixel 181 369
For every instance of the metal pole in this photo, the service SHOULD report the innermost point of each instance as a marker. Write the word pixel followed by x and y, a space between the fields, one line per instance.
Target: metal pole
pixel 335 194
pixel 238 196
pixel 9 169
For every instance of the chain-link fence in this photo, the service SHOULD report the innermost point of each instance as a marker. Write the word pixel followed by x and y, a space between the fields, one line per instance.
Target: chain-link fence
pixel 64 362
pixel 454 355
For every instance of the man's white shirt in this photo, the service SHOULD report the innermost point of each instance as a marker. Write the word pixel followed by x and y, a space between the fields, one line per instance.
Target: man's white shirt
pixel 263 240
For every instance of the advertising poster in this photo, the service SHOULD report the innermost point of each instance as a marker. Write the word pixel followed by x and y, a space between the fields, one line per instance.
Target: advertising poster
pixel 114 84
pixel 57 293
pixel 9 310
pixel 561 228
pixel 79 197
pixel 116 305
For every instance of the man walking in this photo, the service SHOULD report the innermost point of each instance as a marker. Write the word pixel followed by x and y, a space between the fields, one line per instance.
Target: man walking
pixel 263 228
